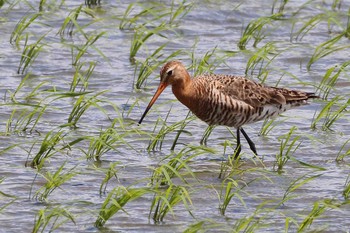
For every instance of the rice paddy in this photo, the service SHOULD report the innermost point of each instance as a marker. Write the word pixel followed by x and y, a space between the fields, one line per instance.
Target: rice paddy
pixel 76 77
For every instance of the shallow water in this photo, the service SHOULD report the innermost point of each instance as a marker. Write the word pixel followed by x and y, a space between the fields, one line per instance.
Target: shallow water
pixel 208 24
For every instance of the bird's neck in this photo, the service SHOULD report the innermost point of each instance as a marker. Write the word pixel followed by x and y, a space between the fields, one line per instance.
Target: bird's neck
pixel 183 90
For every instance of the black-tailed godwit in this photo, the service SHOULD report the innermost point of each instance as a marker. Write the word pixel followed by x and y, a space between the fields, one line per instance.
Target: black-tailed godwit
pixel 226 99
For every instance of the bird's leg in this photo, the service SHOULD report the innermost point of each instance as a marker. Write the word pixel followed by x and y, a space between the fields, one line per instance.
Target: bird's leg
pixel 238 147
pixel 250 142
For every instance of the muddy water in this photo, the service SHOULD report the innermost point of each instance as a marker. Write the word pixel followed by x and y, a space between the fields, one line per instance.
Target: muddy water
pixel 208 25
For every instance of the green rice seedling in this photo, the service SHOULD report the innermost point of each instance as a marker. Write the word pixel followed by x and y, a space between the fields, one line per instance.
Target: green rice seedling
pixel 27 119
pixel 346 190
pixel 6 149
pixel 281 6
pixel 53 181
pixel 179 10
pixel 81 78
pixel 268 126
pixel 329 116
pixel 116 200
pixel 207 225
pixel 5 205
pixel 47 149
pixel 21 26
pixel 254 30
pixel 336 4
pixel 19 87
pixel 5 195
pixel 141 35
pixel 71 21
pixel 51 219
pixel 318 209
pixel 347 29
pixel 206 134
pixel 131 22
pixel 157 142
pixel 257 60
pixel 287 149
pixel 333 116
pixel 309 25
pixel 208 62
pixel 230 166
pixel 83 49
pixel 165 200
pixel 164 173
pixel 80 106
pixel 330 79
pixel 51 6
pixel 229 189
pixel 297 183
pixel 182 129
pixel 325 49
pixel 29 54
pixel 107 140
pixel 144 69
pixel 341 155
pixel 109 174
pixel 153 12
pixel 224 168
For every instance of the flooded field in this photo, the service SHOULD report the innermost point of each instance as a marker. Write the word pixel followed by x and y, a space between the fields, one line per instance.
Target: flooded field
pixel 76 77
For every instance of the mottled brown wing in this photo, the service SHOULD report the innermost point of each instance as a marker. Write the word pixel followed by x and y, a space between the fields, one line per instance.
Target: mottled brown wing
pixel 250 92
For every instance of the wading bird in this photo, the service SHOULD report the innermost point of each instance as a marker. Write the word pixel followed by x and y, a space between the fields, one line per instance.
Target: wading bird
pixel 226 99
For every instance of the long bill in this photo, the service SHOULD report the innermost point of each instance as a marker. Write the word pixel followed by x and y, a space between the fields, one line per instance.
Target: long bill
pixel 159 91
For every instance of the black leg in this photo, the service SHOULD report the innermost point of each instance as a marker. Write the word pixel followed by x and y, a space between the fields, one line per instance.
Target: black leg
pixel 250 142
pixel 238 147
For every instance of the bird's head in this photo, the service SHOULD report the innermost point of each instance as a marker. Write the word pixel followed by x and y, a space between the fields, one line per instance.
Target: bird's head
pixel 172 73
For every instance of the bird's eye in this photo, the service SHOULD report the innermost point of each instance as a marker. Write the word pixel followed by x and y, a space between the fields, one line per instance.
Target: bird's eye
pixel 170 72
